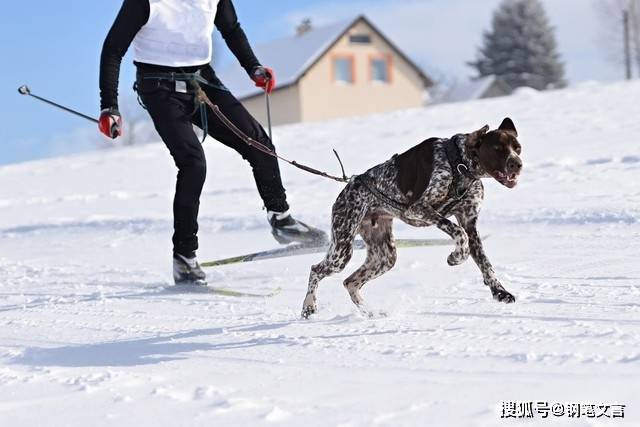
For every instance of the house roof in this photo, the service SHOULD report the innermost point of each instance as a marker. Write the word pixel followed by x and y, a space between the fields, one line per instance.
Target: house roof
pixel 475 89
pixel 292 57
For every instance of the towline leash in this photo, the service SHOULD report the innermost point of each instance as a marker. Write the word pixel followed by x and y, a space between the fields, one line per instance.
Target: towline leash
pixel 202 98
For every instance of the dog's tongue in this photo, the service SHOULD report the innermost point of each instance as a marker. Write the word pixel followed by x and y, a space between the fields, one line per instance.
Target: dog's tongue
pixel 504 179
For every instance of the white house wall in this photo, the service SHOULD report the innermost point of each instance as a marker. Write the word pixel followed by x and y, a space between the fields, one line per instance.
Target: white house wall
pixel 285 106
pixel 322 98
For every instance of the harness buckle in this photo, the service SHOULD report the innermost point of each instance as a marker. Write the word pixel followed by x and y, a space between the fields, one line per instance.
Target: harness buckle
pixel 462 166
pixel 181 86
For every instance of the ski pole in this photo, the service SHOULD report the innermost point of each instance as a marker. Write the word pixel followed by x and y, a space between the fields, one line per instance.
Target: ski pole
pixel 24 90
pixel 269 113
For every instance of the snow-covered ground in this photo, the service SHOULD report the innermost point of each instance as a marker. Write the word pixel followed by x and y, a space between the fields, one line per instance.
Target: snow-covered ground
pixel 92 332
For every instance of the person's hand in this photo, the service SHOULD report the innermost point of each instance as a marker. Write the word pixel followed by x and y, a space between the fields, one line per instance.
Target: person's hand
pixel 110 123
pixel 264 77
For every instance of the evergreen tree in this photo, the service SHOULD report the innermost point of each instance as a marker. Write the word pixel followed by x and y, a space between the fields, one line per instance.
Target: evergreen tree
pixel 521 47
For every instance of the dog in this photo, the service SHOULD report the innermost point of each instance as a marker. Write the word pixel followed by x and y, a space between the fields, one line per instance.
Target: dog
pixel 424 186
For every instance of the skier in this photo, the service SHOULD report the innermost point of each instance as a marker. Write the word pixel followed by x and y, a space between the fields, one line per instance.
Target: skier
pixel 173 46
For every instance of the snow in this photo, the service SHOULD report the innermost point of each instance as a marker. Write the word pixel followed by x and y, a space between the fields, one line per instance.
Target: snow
pixel 92 332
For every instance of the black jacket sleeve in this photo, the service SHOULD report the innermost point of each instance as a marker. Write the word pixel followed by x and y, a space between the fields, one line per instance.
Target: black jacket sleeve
pixel 233 34
pixel 133 15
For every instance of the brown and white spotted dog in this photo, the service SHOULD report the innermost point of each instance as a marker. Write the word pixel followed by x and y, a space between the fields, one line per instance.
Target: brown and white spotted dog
pixel 424 186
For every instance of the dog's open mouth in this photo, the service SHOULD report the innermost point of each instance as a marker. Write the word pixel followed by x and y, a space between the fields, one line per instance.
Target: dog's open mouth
pixel 508 180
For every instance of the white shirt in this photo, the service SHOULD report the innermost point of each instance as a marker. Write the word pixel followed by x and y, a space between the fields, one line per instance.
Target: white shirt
pixel 177 34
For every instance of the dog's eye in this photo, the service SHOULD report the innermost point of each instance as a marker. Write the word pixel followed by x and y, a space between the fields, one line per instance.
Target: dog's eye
pixel 518 149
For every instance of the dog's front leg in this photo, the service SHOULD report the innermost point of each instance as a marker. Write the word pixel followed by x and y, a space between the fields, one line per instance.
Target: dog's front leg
pixel 424 216
pixel 477 253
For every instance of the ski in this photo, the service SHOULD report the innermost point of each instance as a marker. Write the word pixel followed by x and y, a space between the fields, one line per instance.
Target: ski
pixel 225 292
pixel 306 249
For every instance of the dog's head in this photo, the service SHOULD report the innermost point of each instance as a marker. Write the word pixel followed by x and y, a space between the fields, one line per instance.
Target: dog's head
pixel 497 152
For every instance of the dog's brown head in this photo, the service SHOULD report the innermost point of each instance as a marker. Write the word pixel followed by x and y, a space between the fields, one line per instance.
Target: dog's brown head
pixel 498 152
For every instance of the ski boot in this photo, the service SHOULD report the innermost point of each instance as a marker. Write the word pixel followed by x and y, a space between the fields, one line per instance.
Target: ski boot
pixel 187 271
pixel 286 229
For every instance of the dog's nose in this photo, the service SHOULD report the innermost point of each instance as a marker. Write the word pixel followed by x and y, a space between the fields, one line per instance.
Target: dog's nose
pixel 514 165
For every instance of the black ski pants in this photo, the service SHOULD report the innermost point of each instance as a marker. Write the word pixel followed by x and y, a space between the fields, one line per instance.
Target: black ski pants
pixel 173 115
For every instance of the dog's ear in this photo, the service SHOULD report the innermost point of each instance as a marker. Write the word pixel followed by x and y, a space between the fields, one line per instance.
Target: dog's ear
pixel 475 137
pixel 508 126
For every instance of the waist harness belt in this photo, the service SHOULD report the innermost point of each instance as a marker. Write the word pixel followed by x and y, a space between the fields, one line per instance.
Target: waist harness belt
pixel 186 83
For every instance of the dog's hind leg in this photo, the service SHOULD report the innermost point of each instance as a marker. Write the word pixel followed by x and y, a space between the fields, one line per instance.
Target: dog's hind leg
pixel 377 234
pixel 346 220
pixel 335 261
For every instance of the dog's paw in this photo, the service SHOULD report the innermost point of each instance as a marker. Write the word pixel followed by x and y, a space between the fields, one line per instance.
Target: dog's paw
pixel 457 257
pixel 502 295
pixel 309 306
pixel 308 311
pixel 454 259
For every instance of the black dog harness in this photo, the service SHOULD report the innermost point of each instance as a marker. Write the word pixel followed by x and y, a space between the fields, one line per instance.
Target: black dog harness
pixel 457 191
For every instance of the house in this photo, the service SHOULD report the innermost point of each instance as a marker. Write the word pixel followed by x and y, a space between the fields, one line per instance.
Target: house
pixel 481 88
pixel 345 69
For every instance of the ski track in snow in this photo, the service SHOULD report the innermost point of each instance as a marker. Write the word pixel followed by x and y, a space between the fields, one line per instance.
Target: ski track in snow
pixel 92 332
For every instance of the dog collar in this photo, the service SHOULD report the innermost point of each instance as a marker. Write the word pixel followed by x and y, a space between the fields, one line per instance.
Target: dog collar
pixel 459 169
pixel 454 156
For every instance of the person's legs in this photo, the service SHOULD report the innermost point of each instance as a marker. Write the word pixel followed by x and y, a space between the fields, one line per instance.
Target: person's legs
pixel 285 229
pixel 171 113
pixel 266 170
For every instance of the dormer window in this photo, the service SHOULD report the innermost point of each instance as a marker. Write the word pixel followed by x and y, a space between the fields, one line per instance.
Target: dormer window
pixel 360 39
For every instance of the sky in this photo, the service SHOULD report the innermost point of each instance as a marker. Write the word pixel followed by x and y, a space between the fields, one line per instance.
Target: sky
pixel 54 47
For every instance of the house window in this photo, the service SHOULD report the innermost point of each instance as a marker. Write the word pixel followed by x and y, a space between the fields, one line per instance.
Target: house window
pixel 381 69
pixel 343 69
pixel 360 39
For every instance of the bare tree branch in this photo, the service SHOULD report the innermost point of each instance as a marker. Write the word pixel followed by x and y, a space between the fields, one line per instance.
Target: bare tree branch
pixel 612 30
